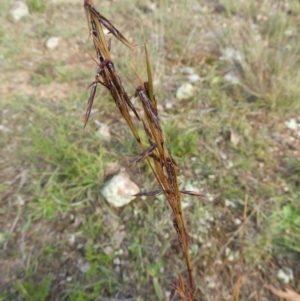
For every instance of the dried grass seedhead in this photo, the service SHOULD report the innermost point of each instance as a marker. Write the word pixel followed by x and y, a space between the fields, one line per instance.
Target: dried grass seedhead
pixel 154 151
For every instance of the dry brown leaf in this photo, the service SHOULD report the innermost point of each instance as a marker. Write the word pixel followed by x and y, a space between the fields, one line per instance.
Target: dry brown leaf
pixel 285 293
pixel 235 138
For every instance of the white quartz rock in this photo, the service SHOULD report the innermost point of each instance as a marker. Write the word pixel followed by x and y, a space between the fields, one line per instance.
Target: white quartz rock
pixel 120 190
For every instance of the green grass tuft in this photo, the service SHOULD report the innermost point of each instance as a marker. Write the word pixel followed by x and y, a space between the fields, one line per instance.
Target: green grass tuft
pixel 33 292
pixel 37 6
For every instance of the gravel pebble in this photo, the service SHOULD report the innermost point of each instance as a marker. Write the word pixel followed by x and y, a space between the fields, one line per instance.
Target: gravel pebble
pixel 193 78
pixel 117 261
pixel 286 275
pixel 120 190
pixel 185 91
pixel 108 250
pixel 19 10
pixel 292 124
pixel 52 43
pixel 84 267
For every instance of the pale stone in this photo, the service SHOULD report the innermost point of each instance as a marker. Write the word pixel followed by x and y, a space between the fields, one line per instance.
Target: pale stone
pixel 84 267
pixel 188 70
pixel 52 43
pixel 286 275
pixel 117 261
pixel 292 124
pixel 168 105
pixel 19 10
pixel 108 250
pixel 185 91
pixel 193 78
pixel 120 190
pixel 232 77
pixel 229 203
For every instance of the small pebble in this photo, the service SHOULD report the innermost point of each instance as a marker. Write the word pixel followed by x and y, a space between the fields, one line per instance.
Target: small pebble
pixel 52 43
pixel 185 91
pixel 193 78
pixel 152 6
pixel 231 77
pixel 292 124
pixel 218 261
pixel 237 221
pixel 209 197
pixel 19 10
pixel 84 267
pixel 168 105
pixel 108 250
pixel 229 203
pixel 184 205
pixel 289 32
pixel 72 239
pixel 117 261
pixel 229 164
pixel 120 190
pixel 119 252
pixel 227 251
pixel 188 70
pixel 286 275
pixel 80 246
pixel 211 284
pixel 223 156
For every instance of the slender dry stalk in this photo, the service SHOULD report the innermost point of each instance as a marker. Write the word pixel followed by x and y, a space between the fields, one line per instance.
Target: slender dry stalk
pixel 236 292
pixel 155 154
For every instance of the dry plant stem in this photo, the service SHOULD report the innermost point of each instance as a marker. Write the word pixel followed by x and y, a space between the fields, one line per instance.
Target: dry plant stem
pixel 237 289
pixel 156 154
pixel 169 183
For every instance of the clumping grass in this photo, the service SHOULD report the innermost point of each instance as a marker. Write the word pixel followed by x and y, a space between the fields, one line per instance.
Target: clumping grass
pixel 264 56
pixel 70 162
pixel 35 292
pixel 183 141
pixel 54 221
pixel 37 6
pixel 285 224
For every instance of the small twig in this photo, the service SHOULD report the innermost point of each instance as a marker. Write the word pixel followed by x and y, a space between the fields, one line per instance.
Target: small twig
pixel 237 289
